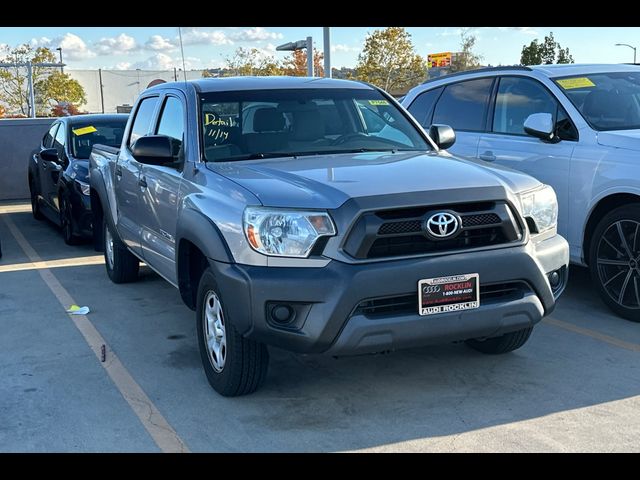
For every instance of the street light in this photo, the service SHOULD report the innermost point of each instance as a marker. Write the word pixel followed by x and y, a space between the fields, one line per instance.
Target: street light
pixel 299 45
pixel 630 46
pixel 60 50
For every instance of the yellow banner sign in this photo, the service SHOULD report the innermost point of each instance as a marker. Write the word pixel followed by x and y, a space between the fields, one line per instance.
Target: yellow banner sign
pixel 439 59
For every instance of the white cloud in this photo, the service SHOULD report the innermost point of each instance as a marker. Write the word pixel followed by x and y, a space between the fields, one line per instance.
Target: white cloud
pixel 525 30
pixel 4 48
pixel 158 42
pixel 458 31
pixel 162 61
pixel 341 47
pixel 257 33
pixel 123 66
pixel 40 42
pixel 194 35
pixel 73 47
pixel 119 45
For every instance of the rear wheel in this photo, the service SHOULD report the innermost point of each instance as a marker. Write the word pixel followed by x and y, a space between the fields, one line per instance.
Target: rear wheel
pixel 503 344
pixel 122 265
pixel 233 365
pixel 614 260
pixel 35 206
pixel 66 222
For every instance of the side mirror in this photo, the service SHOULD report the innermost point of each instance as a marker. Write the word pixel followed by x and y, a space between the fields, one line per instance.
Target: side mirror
pixel 443 135
pixel 540 125
pixel 50 155
pixel 153 150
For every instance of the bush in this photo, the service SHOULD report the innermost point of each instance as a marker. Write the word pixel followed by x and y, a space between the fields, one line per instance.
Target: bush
pixel 64 109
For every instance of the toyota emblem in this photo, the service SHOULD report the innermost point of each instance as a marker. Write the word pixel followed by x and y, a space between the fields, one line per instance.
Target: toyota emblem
pixel 442 225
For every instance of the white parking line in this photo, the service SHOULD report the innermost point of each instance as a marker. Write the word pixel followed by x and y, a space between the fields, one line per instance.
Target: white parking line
pixel 62 262
pixel 634 347
pixel 159 429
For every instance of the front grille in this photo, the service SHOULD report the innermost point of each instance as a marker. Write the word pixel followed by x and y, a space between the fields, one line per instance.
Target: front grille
pixel 408 304
pixel 399 232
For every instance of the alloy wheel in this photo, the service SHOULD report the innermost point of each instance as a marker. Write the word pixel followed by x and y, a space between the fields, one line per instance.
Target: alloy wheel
pixel 214 331
pixel 108 246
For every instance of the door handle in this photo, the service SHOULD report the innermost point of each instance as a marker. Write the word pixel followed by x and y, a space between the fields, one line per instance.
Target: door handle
pixel 487 156
pixel 118 171
pixel 142 182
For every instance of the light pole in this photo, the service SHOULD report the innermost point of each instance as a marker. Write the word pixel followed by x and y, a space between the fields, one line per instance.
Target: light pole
pixel 299 45
pixel 630 46
pixel 60 50
pixel 326 33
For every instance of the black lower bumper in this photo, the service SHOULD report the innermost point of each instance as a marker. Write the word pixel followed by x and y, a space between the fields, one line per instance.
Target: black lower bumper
pixel 81 215
pixel 325 301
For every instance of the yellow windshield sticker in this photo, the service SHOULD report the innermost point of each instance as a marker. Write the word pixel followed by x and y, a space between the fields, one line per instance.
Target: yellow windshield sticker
pixel 378 102
pixel 578 82
pixel 84 130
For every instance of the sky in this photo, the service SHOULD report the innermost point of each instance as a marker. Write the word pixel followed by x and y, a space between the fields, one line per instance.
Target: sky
pixel 150 48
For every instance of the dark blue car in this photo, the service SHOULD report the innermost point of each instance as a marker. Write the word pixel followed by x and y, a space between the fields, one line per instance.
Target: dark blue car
pixel 59 175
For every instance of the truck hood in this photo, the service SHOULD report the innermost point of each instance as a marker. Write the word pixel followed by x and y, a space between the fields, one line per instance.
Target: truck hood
pixel 327 181
pixel 629 139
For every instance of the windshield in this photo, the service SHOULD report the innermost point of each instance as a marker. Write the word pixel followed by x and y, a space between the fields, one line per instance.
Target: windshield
pixel 269 123
pixel 607 101
pixel 105 132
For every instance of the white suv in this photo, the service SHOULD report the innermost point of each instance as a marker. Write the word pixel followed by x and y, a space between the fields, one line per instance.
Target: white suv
pixel 574 127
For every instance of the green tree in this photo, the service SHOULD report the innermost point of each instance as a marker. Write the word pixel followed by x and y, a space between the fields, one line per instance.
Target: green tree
pixel 58 88
pixel 250 61
pixel 50 86
pixel 389 60
pixel 545 53
pixel 466 59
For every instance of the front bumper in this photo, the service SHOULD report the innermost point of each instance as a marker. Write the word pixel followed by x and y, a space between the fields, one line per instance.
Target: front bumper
pixel 325 299
pixel 81 214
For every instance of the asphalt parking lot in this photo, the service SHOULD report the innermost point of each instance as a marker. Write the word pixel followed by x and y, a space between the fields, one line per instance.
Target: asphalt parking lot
pixel 574 386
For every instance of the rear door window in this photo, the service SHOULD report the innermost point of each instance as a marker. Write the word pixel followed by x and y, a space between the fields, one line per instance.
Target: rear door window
pixel 422 107
pixel 463 105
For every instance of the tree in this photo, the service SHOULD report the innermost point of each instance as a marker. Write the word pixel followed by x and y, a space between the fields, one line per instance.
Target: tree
pixel 296 64
pixel 466 59
pixel 58 88
pixel 65 109
pixel 389 60
pixel 3 111
pixel 544 53
pixel 245 61
pixel 49 86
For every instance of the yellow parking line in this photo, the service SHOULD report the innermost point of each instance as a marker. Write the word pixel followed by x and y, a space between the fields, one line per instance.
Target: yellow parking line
pixel 634 347
pixel 63 262
pixel 156 425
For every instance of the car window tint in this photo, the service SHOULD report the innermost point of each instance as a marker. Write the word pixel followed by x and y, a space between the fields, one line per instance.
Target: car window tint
pixel 463 105
pixel 142 122
pixel 172 125
pixel 47 141
pixel 517 98
pixel 422 107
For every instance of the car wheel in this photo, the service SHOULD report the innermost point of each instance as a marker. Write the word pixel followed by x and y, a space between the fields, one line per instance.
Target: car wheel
pixel 614 260
pixel 233 364
pixel 66 222
pixel 35 206
pixel 503 344
pixel 122 265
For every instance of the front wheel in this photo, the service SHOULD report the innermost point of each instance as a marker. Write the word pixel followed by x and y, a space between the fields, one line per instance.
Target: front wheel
pixel 233 365
pixel 35 206
pixel 503 344
pixel 66 222
pixel 122 265
pixel 614 260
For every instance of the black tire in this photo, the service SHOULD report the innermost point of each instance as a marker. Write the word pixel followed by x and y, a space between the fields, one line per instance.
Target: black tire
pixel 124 266
pixel 35 206
pixel 619 283
pixel 245 363
pixel 503 344
pixel 66 222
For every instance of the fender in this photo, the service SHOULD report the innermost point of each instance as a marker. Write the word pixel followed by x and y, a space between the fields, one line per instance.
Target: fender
pixel 99 190
pixel 200 230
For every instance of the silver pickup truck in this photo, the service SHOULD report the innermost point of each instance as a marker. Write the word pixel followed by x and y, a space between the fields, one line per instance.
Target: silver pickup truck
pixel 315 215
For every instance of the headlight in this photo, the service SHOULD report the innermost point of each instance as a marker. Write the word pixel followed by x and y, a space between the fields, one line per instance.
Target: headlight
pixel 541 206
pixel 85 188
pixel 285 233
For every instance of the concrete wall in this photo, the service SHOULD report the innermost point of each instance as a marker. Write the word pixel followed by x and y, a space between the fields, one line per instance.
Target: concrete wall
pixel 18 137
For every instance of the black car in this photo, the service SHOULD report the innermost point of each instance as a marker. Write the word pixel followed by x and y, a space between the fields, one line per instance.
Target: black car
pixel 59 175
